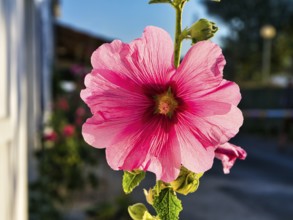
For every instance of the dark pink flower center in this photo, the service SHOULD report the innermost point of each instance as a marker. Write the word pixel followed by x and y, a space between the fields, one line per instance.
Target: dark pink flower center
pixel 166 103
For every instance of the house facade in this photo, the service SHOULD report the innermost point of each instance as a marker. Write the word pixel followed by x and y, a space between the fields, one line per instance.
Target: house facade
pixel 25 60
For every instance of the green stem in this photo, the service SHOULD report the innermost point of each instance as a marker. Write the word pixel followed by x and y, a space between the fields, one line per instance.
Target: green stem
pixel 178 40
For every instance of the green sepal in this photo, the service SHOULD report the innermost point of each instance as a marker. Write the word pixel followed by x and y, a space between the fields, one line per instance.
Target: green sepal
pixel 167 205
pixel 132 179
pixel 137 211
pixel 148 216
pixel 159 1
pixel 187 181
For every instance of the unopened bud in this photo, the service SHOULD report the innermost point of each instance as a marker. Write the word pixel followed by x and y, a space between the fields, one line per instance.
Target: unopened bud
pixel 202 30
pixel 187 182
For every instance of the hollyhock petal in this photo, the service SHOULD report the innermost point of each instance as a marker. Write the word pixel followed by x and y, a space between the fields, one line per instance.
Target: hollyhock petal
pixel 223 127
pixel 141 60
pixel 194 155
pixel 204 108
pixel 112 101
pixel 226 92
pixel 201 69
pixel 159 153
pixel 98 133
pixel 169 159
pixel 152 56
pixel 212 130
pixel 109 56
pixel 228 154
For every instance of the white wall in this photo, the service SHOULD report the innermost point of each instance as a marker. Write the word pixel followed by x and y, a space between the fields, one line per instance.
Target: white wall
pixel 24 67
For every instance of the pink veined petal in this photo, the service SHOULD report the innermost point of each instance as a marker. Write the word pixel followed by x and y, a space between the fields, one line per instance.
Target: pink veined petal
pixel 201 69
pixel 109 56
pixel 152 56
pixel 204 108
pixel 225 92
pixel 224 127
pixel 113 107
pixel 169 158
pixel 212 130
pixel 98 133
pixel 147 147
pixel 194 155
pixel 113 101
pixel 228 154
pixel 147 60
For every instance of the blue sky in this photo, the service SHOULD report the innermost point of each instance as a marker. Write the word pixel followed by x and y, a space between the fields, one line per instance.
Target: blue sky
pixel 126 19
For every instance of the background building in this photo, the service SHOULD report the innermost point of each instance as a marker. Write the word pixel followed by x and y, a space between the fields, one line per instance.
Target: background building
pixel 25 62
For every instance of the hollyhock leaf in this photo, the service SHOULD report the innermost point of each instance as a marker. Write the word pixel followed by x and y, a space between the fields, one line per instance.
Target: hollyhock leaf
pixel 167 205
pixel 131 180
pixel 159 1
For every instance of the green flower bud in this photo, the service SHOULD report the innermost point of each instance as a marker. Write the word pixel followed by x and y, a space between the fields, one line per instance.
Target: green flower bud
pixel 187 182
pixel 137 211
pixel 149 195
pixel 202 30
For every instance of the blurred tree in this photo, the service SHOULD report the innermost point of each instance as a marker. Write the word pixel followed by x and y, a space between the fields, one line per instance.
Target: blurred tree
pixel 243 46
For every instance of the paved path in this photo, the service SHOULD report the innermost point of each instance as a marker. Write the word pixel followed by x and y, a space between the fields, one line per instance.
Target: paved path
pixel 259 188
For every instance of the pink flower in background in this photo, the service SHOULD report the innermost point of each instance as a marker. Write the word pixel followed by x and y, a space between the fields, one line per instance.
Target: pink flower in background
pixel 68 130
pixel 228 153
pixel 50 136
pixel 80 111
pixel 62 104
pixel 78 120
pixel 77 69
pixel 150 115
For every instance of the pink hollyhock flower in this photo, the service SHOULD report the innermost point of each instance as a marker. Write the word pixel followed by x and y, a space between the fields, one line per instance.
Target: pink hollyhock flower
pixel 62 104
pixel 80 111
pixel 68 130
pixel 77 69
pixel 78 120
pixel 228 153
pixel 50 136
pixel 150 115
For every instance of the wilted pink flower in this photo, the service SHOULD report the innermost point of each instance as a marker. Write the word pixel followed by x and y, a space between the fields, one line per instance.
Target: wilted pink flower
pixel 228 153
pixel 150 115
pixel 68 130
